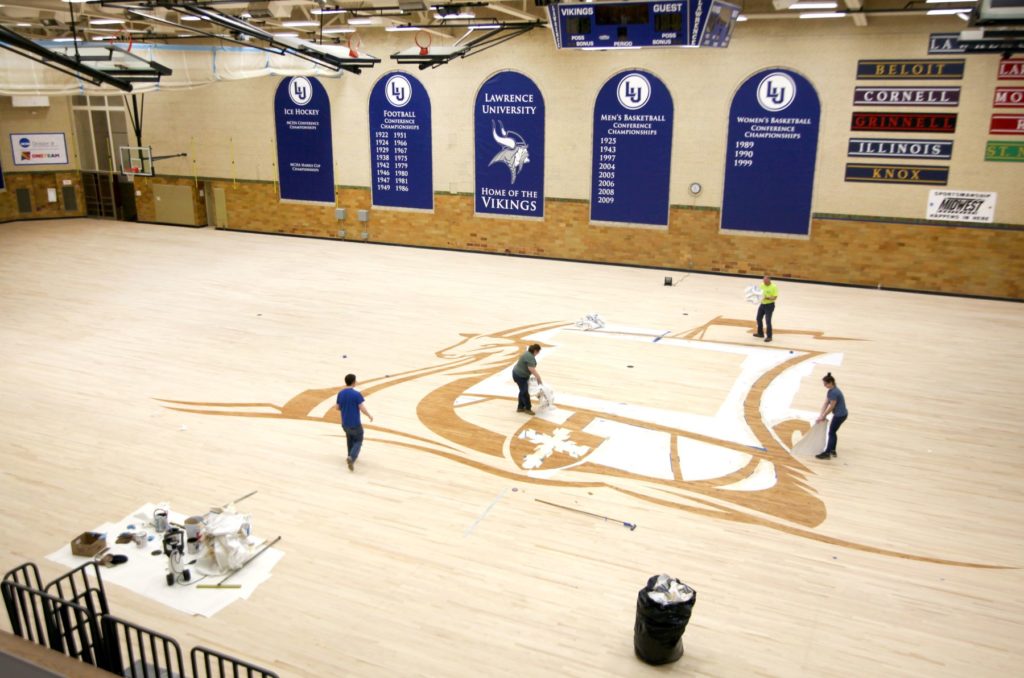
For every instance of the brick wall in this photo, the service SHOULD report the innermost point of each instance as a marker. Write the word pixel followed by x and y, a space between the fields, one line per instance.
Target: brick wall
pixel 37 183
pixel 973 261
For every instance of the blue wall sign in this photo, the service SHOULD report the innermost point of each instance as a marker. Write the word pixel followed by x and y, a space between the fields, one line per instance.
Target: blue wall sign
pixel 632 151
pixel 770 155
pixel 509 125
pixel 675 23
pixel 400 143
pixel 305 157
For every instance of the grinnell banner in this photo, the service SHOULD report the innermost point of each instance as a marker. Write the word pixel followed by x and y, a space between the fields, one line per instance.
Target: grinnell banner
pixel 509 127
pixel 974 207
pixel 305 156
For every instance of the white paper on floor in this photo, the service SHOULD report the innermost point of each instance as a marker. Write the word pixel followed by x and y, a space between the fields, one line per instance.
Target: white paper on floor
pixel 145 573
pixel 813 442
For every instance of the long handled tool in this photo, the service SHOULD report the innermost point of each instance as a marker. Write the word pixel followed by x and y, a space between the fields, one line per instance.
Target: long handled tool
pixel 251 558
pixel 631 526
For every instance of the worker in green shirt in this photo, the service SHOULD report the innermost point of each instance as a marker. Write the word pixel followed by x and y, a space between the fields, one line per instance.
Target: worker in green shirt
pixel 769 293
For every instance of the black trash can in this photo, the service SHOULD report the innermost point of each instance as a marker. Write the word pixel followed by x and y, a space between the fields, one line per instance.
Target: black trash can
pixel 663 608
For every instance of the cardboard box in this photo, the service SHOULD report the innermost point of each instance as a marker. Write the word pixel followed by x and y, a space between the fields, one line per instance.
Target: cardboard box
pixel 88 544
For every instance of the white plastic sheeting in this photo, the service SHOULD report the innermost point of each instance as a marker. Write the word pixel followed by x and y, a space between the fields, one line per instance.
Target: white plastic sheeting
pixel 193 66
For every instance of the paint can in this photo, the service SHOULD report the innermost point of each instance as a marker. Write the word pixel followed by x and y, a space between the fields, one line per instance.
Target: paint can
pixel 160 521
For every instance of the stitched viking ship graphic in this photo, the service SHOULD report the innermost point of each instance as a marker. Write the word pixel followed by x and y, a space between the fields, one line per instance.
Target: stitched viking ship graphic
pixel 731 462
pixel 514 152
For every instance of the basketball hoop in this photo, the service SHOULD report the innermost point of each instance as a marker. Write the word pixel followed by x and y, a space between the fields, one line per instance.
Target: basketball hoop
pixel 353 49
pixel 424 49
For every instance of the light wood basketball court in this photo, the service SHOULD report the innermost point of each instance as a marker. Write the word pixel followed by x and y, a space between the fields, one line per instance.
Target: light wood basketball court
pixel 145 363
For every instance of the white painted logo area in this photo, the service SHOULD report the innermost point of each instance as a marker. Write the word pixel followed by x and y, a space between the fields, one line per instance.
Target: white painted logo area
pixel 634 91
pixel 776 92
pixel 300 91
pixel 398 90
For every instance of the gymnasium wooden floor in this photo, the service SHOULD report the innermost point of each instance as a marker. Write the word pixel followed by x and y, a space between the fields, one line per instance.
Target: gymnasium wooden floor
pixel 146 363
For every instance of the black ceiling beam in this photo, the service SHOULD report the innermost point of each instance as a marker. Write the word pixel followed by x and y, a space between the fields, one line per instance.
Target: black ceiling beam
pixel 29 49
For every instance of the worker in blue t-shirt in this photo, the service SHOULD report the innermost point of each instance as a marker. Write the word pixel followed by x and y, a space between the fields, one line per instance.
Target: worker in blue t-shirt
pixel 835 403
pixel 350 404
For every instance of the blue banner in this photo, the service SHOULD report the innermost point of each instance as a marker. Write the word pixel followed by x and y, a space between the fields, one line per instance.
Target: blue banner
pixel 632 151
pixel 305 158
pixel 509 124
pixel 770 155
pixel 400 143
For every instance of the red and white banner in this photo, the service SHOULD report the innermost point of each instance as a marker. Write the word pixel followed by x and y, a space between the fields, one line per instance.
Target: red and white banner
pixel 1007 124
pixel 1011 69
pixel 1008 97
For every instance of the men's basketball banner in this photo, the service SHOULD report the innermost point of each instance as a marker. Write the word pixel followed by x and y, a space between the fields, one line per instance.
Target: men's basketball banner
pixel 1005 151
pixel 944 123
pixel 632 151
pixel 945 43
pixel 509 127
pixel 933 149
pixel 1007 124
pixel 1011 69
pixel 1008 97
pixel 906 96
pixel 305 154
pixel 921 69
pixel 770 154
pixel 400 143
pixel 969 206
pixel 897 174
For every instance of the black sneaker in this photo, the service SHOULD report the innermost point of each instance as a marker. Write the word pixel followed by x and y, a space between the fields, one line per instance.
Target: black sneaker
pixel 521 409
pixel 767 339
pixel 759 335
pixel 529 412
pixel 833 454
pixel 351 464
pixel 825 455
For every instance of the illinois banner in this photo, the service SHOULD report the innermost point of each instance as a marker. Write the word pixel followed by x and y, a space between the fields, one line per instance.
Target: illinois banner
pixel 509 127
pixel 305 157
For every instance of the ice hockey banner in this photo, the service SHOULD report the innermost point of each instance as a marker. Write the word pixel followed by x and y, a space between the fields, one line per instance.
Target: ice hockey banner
pixel 509 130
pixel 305 157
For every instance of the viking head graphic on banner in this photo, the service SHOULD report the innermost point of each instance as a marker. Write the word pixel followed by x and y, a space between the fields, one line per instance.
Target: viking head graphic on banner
pixel 514 151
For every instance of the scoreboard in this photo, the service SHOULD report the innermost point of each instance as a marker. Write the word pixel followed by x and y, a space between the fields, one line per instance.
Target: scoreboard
pixel 611 25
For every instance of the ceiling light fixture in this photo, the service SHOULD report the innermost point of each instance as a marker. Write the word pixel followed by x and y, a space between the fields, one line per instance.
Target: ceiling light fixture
pixel 822 15
pixel 814 5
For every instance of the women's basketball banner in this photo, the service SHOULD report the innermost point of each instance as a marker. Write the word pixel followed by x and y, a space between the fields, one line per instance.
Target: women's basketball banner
pixel 632 151
pixel 305 154
pixel 771 154
pixel 509 127
pixel 400 143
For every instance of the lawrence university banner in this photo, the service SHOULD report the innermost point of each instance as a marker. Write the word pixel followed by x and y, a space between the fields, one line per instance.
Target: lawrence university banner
pixel 305 158
pixel 770 156
pixel 629 176
pixel 509 126
pixel 400 146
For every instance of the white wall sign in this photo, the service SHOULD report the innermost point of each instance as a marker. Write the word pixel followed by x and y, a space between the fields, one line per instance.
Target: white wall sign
pixel 39 149
pixel 975 207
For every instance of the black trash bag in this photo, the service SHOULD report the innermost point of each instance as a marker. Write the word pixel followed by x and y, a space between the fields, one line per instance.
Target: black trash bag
pixel 660 621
